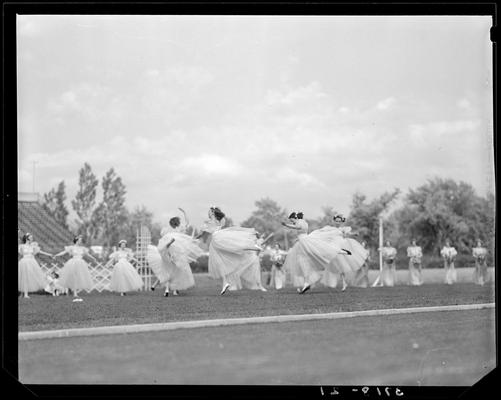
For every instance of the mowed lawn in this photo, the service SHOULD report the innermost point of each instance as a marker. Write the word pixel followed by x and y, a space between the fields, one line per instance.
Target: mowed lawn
pixel 42 312
pixel 425 349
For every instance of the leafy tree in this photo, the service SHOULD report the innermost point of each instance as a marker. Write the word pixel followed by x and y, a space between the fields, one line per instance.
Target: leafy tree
pixel 85 200
pixel 111 214
pixel 267 219
pixel 141 216
pixel 443 208
pixel 54 204
pixel 364 216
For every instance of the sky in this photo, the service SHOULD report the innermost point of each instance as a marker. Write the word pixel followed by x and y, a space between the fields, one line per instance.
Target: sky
pixel 200 111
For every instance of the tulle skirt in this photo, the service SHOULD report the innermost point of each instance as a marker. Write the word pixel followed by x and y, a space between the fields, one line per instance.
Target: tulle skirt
pixel 388 274
pixel 415 278
pixel 157 265
pixel 227 251
pixel 125 278
pixel 309 258
pixel 75 275
pixel 450 274
pixel 249 278
pixel 177 258
pixel 480 274
pixel 30 276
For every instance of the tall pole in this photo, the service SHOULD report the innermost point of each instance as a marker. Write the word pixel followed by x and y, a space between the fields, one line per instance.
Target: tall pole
pixel 380 244
pixel 378 279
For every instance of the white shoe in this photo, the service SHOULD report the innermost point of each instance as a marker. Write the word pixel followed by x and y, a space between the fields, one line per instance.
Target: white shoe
pixel 225 288
pixel 262 289
pixel 77 299
pixel 345 285
pixel 304 289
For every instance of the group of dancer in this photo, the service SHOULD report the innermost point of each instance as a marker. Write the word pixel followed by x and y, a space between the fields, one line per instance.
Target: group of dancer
pixel 321 257
pixel 415 255
pixel 75 274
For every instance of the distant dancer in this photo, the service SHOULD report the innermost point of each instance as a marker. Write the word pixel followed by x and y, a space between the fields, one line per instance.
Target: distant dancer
pixel 389 253
pixel 124 277
pixel 415 255
pixel 449 254
pixel 75 274
pixel 480 256
pixel 30 275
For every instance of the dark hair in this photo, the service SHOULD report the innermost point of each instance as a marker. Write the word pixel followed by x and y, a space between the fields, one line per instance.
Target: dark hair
pixel 55 274
pixel 300 215
pixel 293 216
pixel 25 237
pixel 339 217
pixel 122 241
pixel 218 213
pixel 175 222
pixel 75 239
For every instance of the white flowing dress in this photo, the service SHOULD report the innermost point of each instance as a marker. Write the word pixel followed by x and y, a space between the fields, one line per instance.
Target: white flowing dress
pixel 75 274
pixel 230 257
pixel 388 275
pixel 124 277
pixel 313 257
pixel 30 276
pixel 415 254
pixel 448 254
pixel 177 258
pixel 480 276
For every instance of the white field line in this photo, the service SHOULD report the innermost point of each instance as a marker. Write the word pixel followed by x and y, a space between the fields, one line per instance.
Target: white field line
pixel 165 326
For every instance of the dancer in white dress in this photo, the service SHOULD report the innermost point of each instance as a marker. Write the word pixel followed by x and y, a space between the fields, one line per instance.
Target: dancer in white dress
pixel 183 250
pixel 343 265
pixel 449 254
pixel 415 255
pixel 277 275
pixel 311 255
pixel 124 277
pixel 158 262
pixel 388 274
pixel 75 274
pixel 232 253
pixel 361 278
pixel 480 254
pixel 30 276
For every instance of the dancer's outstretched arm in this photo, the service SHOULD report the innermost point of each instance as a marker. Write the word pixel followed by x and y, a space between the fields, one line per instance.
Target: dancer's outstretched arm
pixel 291 226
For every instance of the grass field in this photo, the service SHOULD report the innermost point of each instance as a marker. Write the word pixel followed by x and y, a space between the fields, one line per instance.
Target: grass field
pixel 436 348
pixel 42 312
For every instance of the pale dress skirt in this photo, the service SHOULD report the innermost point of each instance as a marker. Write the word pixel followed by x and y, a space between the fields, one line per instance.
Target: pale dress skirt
pixel 450 273
pixel 388 274
pixel 30 276
pixel 75 275
pixel 308 259
pixel 177 259
pixel 157 265
pixel 415 278
pixel 227 251
pixel 125 278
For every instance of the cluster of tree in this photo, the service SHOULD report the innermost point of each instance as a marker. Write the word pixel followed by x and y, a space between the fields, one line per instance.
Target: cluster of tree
pixel 438 210
pixel 104 222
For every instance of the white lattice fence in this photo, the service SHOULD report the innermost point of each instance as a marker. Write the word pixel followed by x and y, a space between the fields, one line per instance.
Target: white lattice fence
pixel 101 275
pixel 143 240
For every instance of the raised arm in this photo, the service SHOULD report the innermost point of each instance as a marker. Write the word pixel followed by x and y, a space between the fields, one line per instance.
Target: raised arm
pixel 186 221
